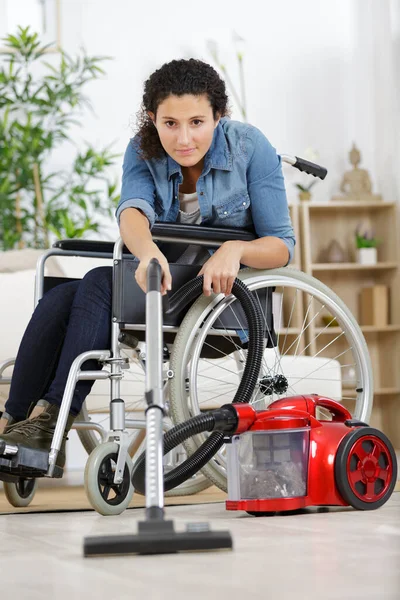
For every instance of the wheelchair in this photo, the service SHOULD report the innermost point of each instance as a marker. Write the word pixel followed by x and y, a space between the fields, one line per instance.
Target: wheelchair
pixel 205 349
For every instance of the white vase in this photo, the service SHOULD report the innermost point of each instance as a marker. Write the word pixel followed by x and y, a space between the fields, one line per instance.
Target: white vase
pixel 367 256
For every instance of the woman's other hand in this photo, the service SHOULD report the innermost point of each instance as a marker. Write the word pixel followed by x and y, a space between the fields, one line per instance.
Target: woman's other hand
pixel 221 269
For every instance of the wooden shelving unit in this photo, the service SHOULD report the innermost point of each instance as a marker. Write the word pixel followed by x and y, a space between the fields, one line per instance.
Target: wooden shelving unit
pixel 352 267
pixel 295 217
pixel 366 329
pixel 320 223
pixel 291 333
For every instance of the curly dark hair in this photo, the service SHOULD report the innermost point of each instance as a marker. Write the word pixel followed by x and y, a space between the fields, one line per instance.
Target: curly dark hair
pixel 177 78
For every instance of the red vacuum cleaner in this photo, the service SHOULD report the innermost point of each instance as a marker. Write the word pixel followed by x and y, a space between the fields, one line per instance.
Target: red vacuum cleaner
pixel 306 451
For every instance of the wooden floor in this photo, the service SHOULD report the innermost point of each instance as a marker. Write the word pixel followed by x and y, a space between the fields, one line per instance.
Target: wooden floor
pixel 341 554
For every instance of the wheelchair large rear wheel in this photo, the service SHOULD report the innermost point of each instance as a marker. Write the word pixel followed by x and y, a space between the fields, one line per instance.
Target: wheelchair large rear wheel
pixel 319 348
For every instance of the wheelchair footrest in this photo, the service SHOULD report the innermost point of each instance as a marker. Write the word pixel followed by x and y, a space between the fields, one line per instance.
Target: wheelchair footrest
pixel 22 461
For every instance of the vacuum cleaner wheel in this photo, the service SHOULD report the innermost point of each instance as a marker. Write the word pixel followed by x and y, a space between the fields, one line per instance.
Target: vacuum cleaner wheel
pixel 365 468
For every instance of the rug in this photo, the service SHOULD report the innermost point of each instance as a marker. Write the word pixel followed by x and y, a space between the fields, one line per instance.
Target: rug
pixel 73 498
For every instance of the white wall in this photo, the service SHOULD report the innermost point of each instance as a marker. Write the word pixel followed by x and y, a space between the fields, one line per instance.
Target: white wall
pixel 375 118
pixel 318 74
pixel 297 66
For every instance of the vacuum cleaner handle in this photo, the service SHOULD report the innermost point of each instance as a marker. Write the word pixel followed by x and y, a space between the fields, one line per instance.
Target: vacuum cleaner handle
pixel 338 411
pixel 279 414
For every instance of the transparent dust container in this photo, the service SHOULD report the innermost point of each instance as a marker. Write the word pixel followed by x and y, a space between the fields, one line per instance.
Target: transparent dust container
pixel 268 464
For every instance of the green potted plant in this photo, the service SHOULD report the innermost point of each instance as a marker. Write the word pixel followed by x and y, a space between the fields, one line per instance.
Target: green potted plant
pixel 39 104
pixel 366 246
pixel 306 181
pixel 304 191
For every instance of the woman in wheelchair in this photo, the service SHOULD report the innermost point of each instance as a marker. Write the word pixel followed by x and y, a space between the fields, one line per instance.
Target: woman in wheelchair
pixel 189 163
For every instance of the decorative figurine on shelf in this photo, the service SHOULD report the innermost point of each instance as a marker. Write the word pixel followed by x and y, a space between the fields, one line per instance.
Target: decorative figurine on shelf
pixel 356 184
pixel 333 253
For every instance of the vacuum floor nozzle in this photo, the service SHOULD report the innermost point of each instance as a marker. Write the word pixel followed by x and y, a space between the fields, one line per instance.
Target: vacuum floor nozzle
pixel 159 537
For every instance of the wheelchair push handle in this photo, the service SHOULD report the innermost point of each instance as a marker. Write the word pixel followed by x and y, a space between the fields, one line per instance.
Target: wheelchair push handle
pixel 305 165
pixel 154 276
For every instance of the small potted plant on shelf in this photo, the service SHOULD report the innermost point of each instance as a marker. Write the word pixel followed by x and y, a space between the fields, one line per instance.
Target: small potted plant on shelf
pixel 307 182
pixel 366 245
pixel 304 191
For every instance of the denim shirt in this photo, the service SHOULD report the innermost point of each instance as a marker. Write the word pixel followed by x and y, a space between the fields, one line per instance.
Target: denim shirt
pixel 241 184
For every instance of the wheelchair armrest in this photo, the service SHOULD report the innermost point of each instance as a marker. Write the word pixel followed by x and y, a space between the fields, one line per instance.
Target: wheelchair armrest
pixel 166 232
pixel 208 236
pixel 87 246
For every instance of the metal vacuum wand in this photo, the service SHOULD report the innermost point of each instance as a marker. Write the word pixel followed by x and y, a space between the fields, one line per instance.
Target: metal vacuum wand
pixel 156 535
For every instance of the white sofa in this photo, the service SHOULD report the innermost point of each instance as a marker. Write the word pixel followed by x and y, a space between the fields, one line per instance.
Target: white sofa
pixel 17 279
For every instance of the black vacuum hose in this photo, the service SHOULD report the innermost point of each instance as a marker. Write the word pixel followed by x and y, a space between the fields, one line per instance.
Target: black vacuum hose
pixel 218 422
pixel 255 323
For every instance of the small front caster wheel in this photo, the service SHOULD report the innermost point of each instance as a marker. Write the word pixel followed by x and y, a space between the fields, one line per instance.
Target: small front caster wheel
pixel 21 492
pixel 107 497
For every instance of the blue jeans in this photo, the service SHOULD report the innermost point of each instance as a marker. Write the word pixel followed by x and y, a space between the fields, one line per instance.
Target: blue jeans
pixel 71 318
